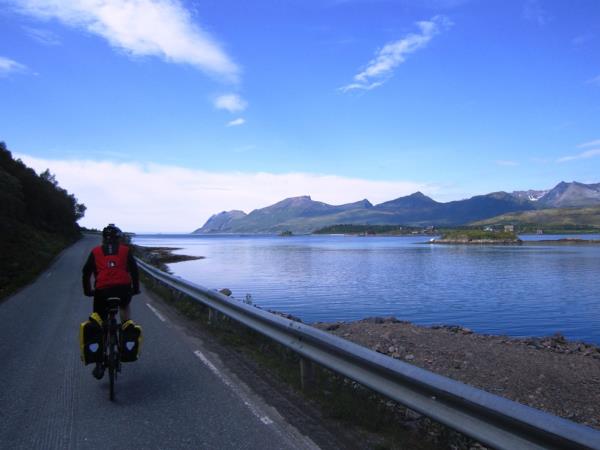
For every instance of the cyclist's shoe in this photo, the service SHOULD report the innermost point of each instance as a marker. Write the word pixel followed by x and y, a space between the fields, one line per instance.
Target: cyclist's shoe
pixel 98 371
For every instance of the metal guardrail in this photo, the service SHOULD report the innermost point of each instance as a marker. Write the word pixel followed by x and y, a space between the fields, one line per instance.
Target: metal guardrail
pixel 488 418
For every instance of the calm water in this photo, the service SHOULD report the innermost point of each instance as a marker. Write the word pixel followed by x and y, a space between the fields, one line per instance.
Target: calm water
pixel 518 291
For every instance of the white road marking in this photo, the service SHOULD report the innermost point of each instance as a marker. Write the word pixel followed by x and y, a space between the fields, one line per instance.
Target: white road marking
pixel 253 409
pixel 156 313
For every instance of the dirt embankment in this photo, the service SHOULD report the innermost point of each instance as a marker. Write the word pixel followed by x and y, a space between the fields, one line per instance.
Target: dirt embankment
pixel 551 373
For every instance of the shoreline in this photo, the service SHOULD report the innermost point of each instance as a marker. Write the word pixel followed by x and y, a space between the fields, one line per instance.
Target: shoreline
pixel 549 373
pixel 564 241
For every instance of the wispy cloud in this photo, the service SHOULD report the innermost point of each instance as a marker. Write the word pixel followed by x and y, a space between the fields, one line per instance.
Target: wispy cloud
pixel 583 155
pixel 533 11
pixel 508 163
pixel 152 197
pixel 236 122
pixel 381 68
pixel 595 81
pixel 162 28
pixel 42 36
pixel 8 66
pixel 230 102
pixel 582 39
pixel 595 143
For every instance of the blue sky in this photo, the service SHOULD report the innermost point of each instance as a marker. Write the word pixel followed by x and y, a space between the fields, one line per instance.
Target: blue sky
pixel 229 104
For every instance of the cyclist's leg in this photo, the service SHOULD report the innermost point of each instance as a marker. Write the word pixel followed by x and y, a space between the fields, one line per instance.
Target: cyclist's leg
pixel 100 304
pixel 124 309
pixel 100 308
pixel 125 313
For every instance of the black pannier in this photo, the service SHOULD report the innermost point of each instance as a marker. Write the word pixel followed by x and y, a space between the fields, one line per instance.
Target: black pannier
pixel 91 340
pixel 131 341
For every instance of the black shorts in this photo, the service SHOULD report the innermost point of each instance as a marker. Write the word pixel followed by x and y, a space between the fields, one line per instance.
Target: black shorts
pixel 100 296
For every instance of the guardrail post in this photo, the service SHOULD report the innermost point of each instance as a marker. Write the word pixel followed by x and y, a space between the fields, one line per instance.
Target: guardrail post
pixel 213 316
pixel 307 374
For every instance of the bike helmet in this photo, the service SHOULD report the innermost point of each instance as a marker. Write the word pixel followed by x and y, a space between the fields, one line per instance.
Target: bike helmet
pixel 111 232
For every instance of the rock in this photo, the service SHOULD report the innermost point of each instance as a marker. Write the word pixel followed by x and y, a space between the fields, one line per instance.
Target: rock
pixel 412 415
pixel 380 320
pixel 225 291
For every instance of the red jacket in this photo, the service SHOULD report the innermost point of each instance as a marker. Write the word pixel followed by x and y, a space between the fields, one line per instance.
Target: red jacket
pixel 111 270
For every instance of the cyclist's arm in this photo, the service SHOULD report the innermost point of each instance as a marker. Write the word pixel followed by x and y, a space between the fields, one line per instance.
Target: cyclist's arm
pixel 88 269
pixel 133 271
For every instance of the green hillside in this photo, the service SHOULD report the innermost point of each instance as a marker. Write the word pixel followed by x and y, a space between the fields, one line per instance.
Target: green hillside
pixel 37 220
pixel 560 219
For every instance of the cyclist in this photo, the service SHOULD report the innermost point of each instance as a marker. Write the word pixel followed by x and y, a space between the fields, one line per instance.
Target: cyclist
pixel 115 275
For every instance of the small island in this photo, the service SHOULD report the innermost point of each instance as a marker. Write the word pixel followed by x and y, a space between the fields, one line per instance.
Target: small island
pixel 286 233
pixel 478 237
pixel 159 257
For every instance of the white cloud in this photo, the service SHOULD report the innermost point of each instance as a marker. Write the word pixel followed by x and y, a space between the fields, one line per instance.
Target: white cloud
pixel 230 102
pixel 161 28
pixel 45 37
pixel 394 53
pixel 584 155
pixel 151 197
pixel 503 162
pixel 236 122
pixel 595 143
pixel 8 65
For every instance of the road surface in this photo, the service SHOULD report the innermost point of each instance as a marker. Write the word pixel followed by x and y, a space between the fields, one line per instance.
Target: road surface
pixel 173 397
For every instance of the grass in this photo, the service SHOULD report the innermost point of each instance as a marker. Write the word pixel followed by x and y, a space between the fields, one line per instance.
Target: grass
pixel 339 398
pixel 472 235
pixel 26 252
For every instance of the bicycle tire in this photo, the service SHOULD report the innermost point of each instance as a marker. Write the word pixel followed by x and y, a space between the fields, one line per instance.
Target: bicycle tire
pixel 111 376
pixel 112 360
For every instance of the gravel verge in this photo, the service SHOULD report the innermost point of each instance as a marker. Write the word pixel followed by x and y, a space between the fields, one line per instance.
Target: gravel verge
pixel 549 373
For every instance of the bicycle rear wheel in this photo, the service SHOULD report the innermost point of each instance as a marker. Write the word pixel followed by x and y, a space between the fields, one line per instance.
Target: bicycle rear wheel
pixel 112 361
pixel 111 376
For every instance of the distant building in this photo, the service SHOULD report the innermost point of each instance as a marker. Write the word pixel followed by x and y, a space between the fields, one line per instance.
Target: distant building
pixel 510 228
pixel 540 231
pixel 488 228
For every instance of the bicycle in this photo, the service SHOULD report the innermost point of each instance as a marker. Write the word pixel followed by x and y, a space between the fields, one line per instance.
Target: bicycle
pixel 112 337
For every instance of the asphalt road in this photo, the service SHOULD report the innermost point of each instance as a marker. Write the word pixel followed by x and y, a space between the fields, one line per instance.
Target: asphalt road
pixel 173 397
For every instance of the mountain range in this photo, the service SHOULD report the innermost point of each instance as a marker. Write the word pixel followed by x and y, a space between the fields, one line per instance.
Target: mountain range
pixel 304 215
